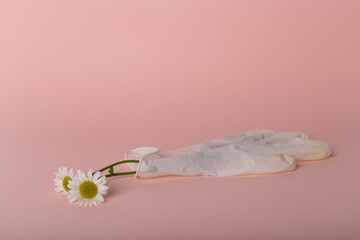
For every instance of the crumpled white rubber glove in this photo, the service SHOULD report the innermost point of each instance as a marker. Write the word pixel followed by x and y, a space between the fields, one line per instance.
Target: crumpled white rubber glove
pixel 252 152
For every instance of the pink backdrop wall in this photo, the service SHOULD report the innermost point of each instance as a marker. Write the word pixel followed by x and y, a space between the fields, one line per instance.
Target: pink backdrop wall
pixel 81 82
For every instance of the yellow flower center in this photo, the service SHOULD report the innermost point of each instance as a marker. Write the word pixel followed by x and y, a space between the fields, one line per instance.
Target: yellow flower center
pixel 66 182
pixel 88 190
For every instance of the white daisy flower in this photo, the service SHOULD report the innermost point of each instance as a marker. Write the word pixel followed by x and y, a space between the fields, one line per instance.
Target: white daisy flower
pixel 87 190
pixel 62 180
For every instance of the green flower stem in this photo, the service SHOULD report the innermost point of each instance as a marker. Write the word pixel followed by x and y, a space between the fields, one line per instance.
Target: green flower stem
pixel 111 168
pixel 120 173
pixel 117 163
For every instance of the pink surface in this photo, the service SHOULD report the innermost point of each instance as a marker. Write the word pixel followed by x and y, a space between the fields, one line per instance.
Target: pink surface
pixel 81 82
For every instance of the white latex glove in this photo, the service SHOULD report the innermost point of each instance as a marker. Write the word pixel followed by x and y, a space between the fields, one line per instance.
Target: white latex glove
pixel 252 152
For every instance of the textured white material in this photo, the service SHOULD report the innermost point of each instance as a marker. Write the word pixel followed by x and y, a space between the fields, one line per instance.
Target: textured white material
pixel 252 152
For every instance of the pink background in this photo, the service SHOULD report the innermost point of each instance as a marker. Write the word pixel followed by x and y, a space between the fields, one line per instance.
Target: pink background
pixel 81 82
